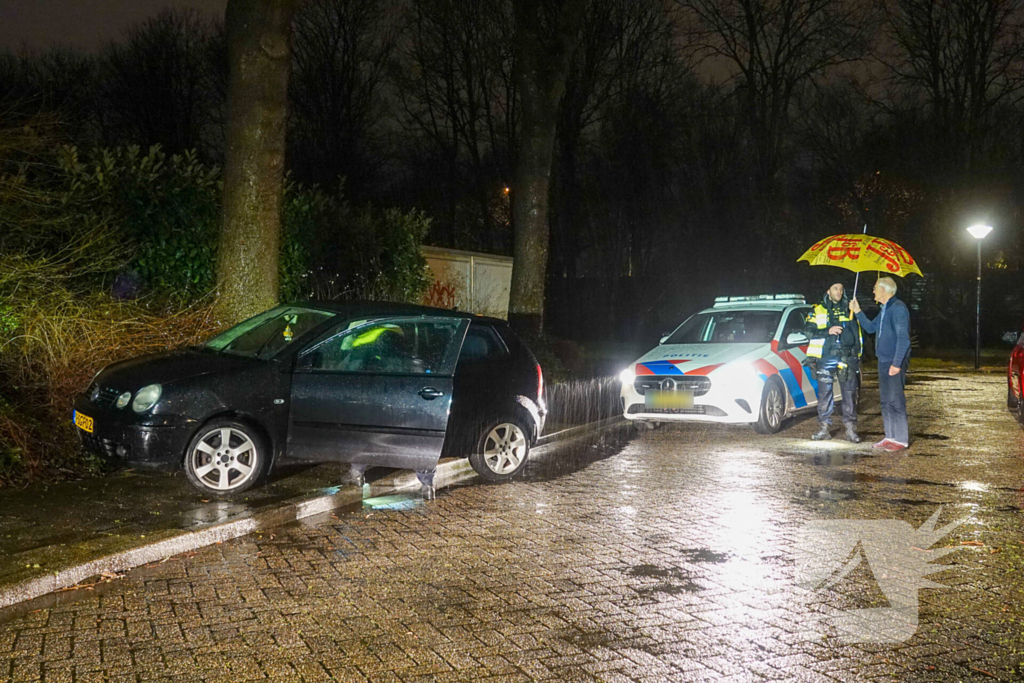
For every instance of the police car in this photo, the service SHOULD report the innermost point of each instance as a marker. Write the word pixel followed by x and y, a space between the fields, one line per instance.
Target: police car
pixel 738 362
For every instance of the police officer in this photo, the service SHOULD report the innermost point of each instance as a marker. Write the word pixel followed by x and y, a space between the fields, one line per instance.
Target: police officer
pixel 834 352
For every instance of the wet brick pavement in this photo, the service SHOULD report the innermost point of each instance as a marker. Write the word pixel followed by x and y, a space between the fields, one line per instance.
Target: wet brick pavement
pixel 656 556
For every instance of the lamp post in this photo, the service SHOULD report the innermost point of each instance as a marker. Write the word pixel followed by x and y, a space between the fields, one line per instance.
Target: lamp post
pixel 978 232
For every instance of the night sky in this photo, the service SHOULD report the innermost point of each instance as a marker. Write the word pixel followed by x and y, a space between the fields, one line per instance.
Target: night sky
pixel 83 24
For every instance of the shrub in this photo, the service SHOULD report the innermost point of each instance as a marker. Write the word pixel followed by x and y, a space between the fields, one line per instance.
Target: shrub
pixel 385 263
pixel 166 209
pixel 331 250
pixel 58 334
pixel 159 216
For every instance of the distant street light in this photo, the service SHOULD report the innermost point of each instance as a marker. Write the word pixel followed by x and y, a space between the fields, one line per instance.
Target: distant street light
pixel 978 232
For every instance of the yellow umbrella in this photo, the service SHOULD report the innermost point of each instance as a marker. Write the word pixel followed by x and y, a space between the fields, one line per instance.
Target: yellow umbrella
pixel 860 253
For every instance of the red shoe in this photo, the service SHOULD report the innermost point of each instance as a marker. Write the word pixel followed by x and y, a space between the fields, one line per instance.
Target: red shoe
pixel 895 446
pixel 883 443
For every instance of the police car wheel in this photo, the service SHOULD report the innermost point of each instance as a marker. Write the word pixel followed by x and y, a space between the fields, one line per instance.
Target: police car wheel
pixel 773 408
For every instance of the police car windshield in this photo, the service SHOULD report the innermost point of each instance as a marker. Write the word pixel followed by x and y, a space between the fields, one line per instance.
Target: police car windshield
pixel 727 327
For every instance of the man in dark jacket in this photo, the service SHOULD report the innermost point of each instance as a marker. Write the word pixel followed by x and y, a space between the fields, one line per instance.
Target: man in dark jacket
pixel 834 352
pixel 892 347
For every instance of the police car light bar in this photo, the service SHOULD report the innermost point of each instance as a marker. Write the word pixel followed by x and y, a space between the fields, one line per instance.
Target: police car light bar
pixel 765 298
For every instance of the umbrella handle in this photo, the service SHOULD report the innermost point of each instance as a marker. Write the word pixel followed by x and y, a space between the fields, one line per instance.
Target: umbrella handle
pixel 856 280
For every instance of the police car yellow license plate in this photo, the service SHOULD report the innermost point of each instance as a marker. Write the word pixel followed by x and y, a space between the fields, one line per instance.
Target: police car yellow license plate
pixel 83 422
pixel 668 400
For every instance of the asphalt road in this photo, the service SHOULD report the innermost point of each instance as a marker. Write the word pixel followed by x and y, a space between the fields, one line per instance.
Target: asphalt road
pixel 665 555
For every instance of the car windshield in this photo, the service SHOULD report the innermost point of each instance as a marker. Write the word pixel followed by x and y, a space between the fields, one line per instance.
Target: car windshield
pixel 727 327
pixel 268 333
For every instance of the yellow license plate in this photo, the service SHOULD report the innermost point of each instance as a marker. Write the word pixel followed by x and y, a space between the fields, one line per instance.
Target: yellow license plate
pixel 83 422
pixel 669 399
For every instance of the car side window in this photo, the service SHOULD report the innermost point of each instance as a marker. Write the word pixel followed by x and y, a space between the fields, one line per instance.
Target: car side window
pixel 482 343
pixel 406 347
pixel 796 322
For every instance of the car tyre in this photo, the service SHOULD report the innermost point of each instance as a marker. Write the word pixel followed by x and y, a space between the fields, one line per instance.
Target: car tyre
pixel 1012 402
pixel 501 450
pixel 773 408
pixel 226 457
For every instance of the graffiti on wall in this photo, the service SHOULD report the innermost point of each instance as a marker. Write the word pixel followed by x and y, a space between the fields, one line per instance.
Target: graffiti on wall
pixel 441 295
pixel 444 290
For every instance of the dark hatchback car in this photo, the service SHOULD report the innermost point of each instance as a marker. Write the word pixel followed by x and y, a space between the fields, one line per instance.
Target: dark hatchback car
pixel 365 383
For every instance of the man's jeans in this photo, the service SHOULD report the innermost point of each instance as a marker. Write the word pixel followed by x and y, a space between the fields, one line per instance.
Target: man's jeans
pixel 826 376
pixel 894 404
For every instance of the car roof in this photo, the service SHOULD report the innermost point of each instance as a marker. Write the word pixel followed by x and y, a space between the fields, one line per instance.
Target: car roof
pixel 372 309
pixel 755 306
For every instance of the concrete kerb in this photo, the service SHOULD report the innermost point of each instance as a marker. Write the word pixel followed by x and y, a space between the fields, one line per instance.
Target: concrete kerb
pixel 327 500
pixel 573 432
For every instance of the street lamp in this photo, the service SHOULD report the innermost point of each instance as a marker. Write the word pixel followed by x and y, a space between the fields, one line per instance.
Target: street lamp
pixel 978 232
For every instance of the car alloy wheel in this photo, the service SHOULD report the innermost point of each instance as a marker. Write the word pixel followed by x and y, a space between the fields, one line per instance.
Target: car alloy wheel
pixel 774 408
pixel 224 459
pixel 502 449
pixel 505 448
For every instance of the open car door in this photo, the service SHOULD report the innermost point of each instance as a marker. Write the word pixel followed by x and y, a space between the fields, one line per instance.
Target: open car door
pixel 376 392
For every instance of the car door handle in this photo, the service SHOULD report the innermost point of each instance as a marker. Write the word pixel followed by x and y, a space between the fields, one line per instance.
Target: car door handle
pixel 430 393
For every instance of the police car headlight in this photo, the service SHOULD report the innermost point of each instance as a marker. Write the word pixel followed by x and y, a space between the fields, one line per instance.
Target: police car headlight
pixel 627 376
pixel 736 377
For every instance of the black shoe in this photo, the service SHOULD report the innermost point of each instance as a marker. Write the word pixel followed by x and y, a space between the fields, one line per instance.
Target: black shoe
pixel 851 434
pixel 823 434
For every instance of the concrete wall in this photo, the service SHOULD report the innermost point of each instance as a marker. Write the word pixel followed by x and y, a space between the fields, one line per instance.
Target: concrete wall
pixel 468 281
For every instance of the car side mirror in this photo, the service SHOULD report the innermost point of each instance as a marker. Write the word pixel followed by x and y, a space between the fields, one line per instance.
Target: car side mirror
pixel 796 339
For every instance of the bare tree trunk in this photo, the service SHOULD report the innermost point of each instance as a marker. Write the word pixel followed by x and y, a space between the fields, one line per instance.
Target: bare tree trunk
pixel 259 36
pixel 546 35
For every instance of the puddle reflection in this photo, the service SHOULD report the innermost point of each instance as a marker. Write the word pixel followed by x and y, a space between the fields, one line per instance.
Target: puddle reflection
pixel 212 513
pixel 744 528
pixel 395 502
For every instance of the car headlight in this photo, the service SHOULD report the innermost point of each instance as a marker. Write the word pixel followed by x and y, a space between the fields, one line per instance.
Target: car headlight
pixel 123 399
pixel 627 376
pixel 739 376
pixel 146 398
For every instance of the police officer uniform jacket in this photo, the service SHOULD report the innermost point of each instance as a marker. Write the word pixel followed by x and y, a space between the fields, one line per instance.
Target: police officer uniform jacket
pixel 826 315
